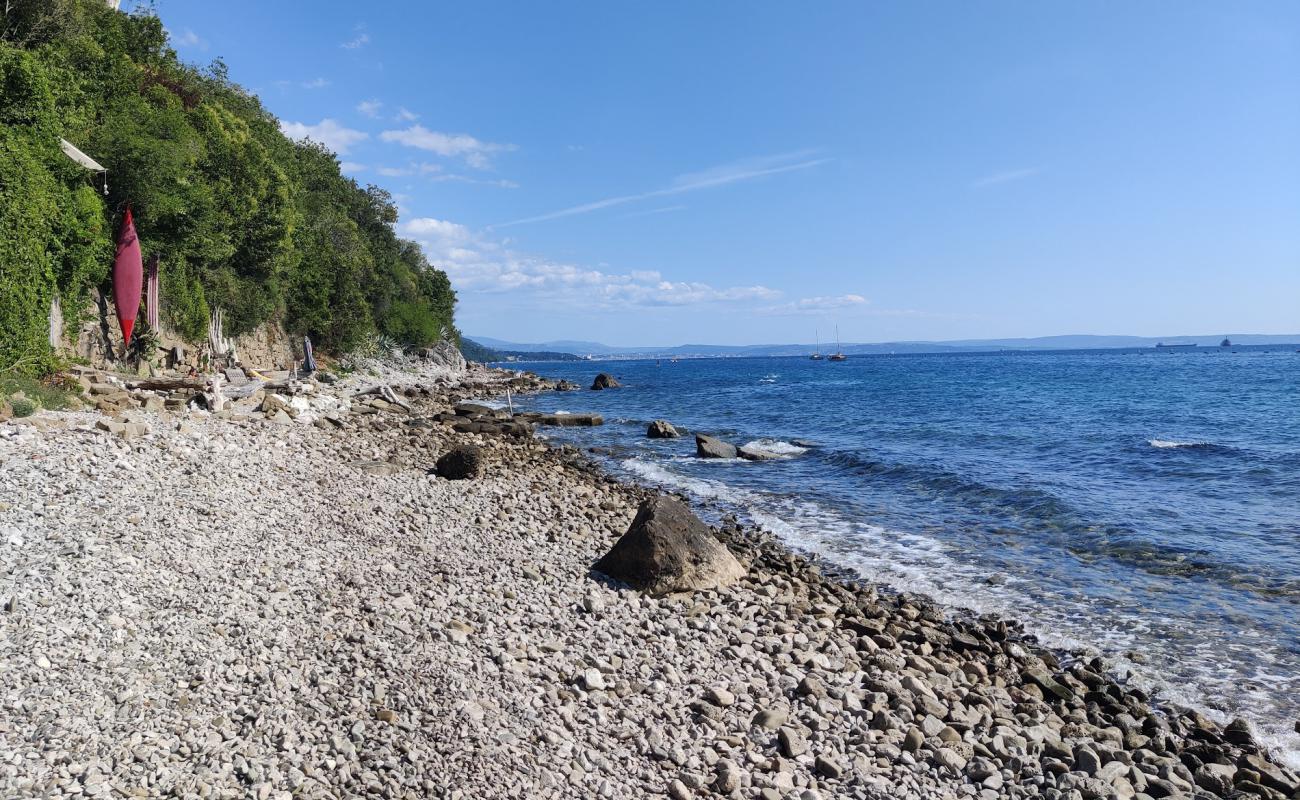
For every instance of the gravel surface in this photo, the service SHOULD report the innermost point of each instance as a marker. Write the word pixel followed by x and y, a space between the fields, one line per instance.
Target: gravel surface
pixel 242 607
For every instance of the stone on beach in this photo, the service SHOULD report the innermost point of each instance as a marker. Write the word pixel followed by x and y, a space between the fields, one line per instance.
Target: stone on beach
pixel 713 447
pixel 461 462
pixel 669 549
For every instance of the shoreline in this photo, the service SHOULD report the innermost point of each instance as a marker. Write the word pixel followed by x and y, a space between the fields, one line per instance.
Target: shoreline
pixel 785 684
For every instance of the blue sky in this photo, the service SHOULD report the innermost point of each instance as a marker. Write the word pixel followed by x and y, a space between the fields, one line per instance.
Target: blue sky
pixel 741 172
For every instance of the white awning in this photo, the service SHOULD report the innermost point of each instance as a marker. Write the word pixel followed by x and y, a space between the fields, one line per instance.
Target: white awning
pixel 71 151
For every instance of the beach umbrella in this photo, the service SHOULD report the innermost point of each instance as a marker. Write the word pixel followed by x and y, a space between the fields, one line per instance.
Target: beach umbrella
pixel 128 275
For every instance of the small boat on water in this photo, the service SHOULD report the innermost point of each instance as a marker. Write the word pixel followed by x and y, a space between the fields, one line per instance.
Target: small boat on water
pixel 838 355
pixel 817 354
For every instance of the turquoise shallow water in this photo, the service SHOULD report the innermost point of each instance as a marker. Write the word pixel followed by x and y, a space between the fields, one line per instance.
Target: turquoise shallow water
pixel 1143 504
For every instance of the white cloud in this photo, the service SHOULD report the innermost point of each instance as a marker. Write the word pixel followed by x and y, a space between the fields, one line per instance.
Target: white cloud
pixel 721 175
pixel 188 38
pixel 479 264
pixel 476 153
pixel 1004 177
pixel 370 108
pixel 352 166
pixel 360 40
pixel 815 305
pixel 403 115
pixel 315 83
pixel 327 132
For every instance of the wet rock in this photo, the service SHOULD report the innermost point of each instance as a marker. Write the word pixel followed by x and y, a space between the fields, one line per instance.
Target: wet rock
pixel 605 381
pixel 712 447
pixel 668 549
pixel 662 429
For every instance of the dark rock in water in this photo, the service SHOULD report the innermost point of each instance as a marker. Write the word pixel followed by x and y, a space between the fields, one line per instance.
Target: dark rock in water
pixel 564 420
pixel 712 447
pixel 565 386
pixel 668 549
pixel 755 454
pixel 460 462
pixel 662 429
pixel 802 443
pixel 605 381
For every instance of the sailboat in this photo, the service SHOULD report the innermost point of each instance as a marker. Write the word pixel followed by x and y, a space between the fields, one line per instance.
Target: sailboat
pixel 838 355
pixel 817 354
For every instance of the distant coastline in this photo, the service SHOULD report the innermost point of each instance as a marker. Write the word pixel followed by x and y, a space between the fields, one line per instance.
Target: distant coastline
pixel 599 351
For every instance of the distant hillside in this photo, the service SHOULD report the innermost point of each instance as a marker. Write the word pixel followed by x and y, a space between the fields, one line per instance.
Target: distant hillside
pixel 477 351
pixel 1080 342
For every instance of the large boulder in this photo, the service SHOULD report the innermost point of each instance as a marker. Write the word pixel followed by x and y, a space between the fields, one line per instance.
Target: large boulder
pixel 460 462
pixel 446 355
pixel 712 447
pixel 605 381
pixel 662 429
pixel 669 549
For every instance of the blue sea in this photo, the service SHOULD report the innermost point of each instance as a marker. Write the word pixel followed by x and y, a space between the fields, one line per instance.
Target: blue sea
pixel 1143 505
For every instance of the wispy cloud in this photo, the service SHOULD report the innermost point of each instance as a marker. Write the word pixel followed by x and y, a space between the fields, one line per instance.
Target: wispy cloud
pixel 328 132
pixel 370 108
pixel 815 305
pixel 405 115
pixel 422 168
pixel 1005 177
pixel 351 166
pixel 477 263
pixel 360 40
pixel 476 153
pixel 721 175
pixel 189 39
pixel 653 211
pixel 315 83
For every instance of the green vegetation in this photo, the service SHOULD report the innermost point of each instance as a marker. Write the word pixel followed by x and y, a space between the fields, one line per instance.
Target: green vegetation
pixel 241 217
pixel 473 351
pixel 25 394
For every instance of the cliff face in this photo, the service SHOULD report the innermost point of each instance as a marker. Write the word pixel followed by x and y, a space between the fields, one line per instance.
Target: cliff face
pixel 99 342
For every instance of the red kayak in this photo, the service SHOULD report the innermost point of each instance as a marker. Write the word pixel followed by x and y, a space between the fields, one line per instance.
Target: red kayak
pixel 128 275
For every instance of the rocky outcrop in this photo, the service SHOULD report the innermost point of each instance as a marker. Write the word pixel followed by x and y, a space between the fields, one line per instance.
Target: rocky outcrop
pixel 444 354
pixel 662 429
pixel 668 549
pixel 713 447
pixel 564 420
pixel 750 453
pixel 605 381
pixel 460 463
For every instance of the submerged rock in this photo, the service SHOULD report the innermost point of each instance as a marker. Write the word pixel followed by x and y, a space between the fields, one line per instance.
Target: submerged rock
pixel 669 549
pixel 712 447
pixel 662 429
pixel 459 463
pixel 605 381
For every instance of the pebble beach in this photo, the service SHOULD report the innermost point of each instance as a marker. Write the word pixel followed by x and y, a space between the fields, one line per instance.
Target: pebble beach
pixel 247 604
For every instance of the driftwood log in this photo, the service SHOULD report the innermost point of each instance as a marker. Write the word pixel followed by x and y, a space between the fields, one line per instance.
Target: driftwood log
pixel 169 384
pixel 386 392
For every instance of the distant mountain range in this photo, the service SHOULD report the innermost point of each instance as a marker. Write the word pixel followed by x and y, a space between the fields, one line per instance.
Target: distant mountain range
pixel 598 350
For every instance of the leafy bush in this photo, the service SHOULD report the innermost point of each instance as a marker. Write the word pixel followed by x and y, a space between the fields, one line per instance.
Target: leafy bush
pixel 242 218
